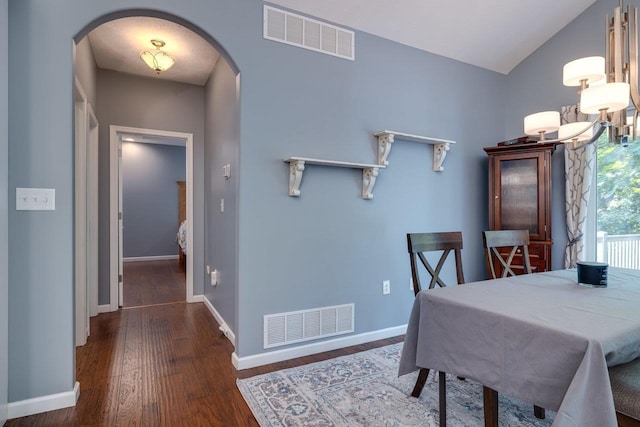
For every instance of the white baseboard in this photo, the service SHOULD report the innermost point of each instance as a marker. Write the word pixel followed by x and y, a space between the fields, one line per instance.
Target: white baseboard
pixel 196 298
pixel 224 328
pixel 305 350
pixel 106 308
pixel 150 258
pixel 47 403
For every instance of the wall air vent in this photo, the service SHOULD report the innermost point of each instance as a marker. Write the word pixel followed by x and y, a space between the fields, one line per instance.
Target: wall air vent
pixel 297 30
pixel 305 325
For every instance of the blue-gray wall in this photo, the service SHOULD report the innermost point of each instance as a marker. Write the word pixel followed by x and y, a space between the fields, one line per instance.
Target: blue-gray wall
pixel 127 100
pixel 150 198
pixel 326 247
pixel 4 283
pixel 221 230
pixel 41 344
pixel 329 246
pixel 536 85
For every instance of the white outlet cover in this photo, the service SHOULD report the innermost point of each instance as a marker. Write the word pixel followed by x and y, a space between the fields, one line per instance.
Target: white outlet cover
pixel 386 287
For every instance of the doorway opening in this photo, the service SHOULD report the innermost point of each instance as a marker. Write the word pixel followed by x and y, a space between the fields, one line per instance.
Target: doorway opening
pixel 130 136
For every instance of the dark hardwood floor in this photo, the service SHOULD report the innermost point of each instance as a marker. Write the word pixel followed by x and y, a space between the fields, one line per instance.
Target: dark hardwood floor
pixel 163 365
pixel 153 282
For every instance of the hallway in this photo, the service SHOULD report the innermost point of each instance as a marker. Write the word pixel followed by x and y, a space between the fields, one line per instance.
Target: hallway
pixel 153 282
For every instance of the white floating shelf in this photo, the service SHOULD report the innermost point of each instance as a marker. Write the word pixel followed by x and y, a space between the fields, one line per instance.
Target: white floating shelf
pixel 297 164
pixel 387 137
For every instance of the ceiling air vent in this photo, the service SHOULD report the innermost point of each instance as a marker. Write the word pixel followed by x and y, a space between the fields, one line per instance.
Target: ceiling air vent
pixel 297 30
pixel 305 325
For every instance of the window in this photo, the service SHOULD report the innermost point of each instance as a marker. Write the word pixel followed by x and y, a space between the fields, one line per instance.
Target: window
pixel 617 204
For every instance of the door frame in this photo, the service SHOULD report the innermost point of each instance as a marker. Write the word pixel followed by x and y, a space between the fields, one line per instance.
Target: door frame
pixel 85 214
pixel 83 120
pixel 92 211
pixel 115 257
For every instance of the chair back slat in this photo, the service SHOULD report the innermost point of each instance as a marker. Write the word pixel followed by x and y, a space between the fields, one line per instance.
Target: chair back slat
pixel 420 243
pixel 428 242
pixel 516 241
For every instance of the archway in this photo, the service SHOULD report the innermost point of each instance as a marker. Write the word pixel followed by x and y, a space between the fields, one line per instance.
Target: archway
pixel 199 224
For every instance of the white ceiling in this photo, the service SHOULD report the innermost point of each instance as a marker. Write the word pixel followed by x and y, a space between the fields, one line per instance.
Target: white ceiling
pixel 117 45
pixel 492 34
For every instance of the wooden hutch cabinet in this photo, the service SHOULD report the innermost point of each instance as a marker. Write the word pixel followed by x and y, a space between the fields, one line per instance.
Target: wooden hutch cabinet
pixel 520 195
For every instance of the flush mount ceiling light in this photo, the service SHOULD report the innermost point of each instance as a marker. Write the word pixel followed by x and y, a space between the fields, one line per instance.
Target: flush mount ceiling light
pixel 606 85
pixel 158 60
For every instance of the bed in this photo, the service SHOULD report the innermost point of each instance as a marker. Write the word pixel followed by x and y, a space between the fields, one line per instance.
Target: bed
pixel 181 238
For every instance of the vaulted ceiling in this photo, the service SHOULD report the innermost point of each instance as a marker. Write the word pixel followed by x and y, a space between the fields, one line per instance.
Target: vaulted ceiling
pixel 492 34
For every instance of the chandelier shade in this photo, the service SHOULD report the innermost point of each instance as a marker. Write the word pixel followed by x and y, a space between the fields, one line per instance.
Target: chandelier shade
pixel 572 132
pixel 610 97
pixel 156 59
pixel 544 122
pixel 588 70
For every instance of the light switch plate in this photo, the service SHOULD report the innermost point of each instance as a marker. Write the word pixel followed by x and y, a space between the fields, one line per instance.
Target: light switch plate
pixel 35 199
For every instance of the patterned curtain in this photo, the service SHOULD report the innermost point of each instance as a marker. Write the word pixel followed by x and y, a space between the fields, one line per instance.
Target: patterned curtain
pixel 578 165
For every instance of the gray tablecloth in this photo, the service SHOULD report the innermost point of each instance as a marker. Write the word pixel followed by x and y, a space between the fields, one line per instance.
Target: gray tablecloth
pixel 541 338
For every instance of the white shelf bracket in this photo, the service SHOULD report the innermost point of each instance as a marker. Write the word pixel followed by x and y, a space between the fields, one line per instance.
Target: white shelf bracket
pixel 439 154
pixel 387 137
pixel 384 147
pixel 369 176
pixel 296 167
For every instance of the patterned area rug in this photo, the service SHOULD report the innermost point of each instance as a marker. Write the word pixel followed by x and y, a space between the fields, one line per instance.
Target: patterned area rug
pixel 364 390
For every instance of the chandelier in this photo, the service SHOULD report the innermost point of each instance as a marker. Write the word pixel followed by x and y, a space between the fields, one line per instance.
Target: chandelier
pixel 606 86
pixel 157 59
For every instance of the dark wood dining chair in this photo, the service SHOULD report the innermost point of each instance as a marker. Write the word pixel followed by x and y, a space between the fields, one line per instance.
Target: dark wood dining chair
pixel 625 386
pixel 506 252
pixel 418 244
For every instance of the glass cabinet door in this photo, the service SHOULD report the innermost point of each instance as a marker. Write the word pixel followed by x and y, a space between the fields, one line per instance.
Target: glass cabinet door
pixel 519 194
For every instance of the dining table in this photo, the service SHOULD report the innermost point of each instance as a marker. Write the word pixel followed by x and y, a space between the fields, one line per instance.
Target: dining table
pixel 542 338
